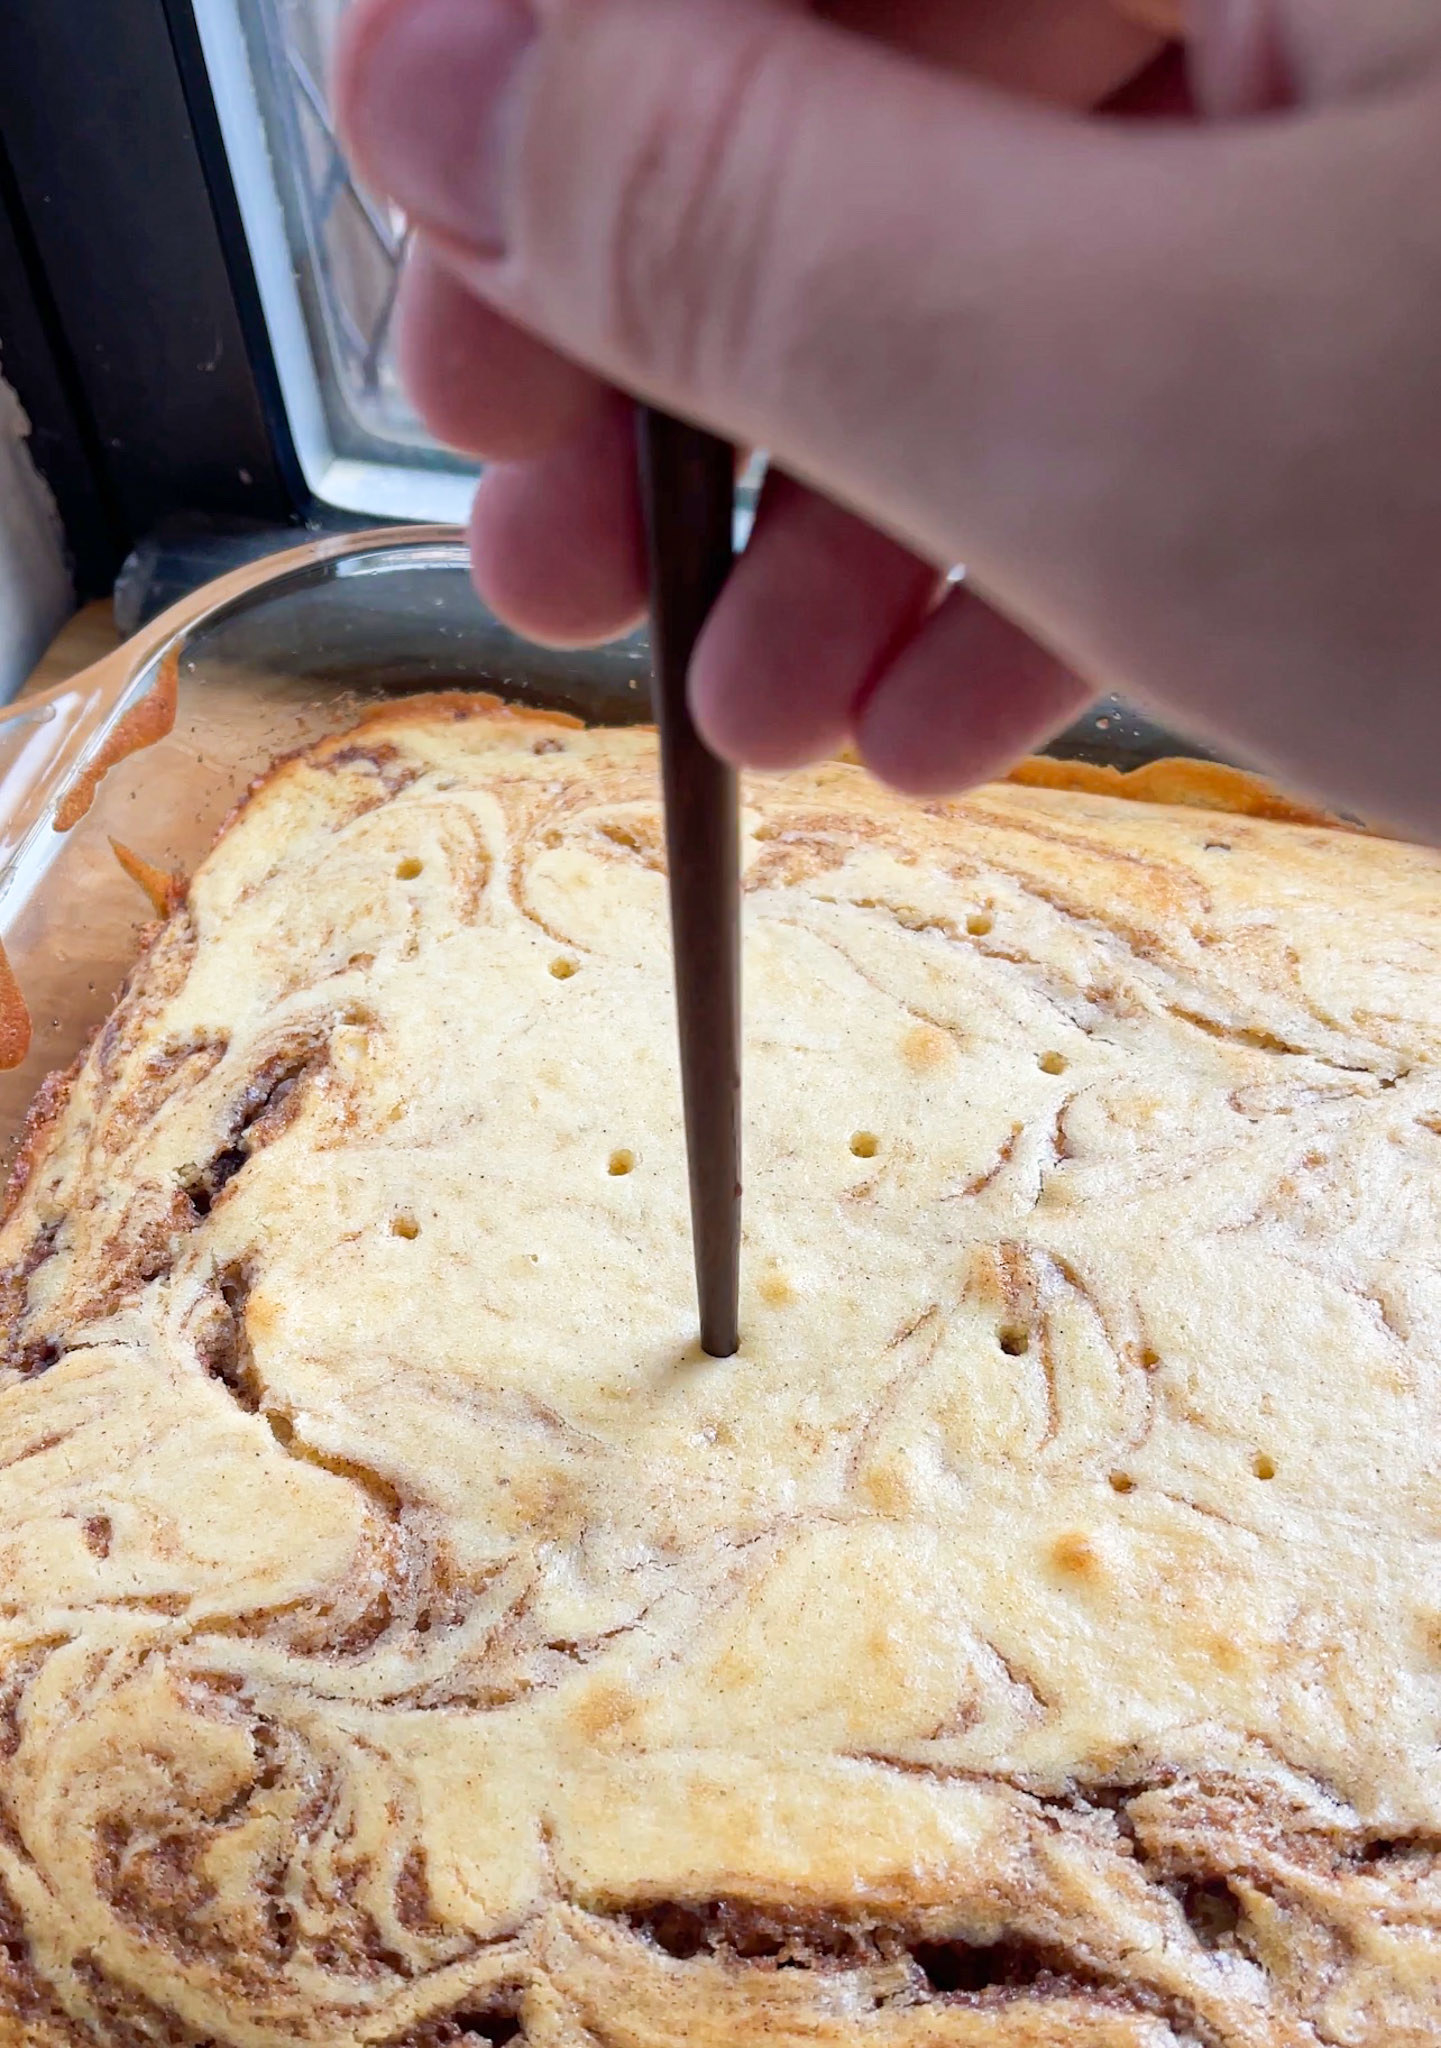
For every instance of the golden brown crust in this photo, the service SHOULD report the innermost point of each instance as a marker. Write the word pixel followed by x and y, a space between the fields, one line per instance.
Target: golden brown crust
pixel 1199 785
pixel 1032 1636
pixel 50 1100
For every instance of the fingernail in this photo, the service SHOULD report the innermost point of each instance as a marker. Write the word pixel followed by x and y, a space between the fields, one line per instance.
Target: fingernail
pixel 429 106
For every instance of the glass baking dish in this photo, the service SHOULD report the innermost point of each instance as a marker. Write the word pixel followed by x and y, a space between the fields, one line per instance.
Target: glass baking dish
pixel 259 663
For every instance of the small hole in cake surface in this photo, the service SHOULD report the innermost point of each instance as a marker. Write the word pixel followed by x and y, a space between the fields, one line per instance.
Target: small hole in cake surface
pixel 1053 1063
pixel 1263 1465
pixel 865 1144
pixel 1210 1907
pixel 980 924
pixel 1014 1339
pixel 562 969
pixel 404 1226
pixel 621 1162
pixel 409 868
pixel 1122 1482
pixel 680 1931
pixel 493 2027
pixel 1150 1358
pixel 955 1968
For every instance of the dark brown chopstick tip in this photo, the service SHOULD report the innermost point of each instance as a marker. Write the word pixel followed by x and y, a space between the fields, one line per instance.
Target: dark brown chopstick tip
pixel 688 490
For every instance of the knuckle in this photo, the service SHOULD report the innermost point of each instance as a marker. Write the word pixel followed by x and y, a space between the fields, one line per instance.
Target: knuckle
pixel 694 224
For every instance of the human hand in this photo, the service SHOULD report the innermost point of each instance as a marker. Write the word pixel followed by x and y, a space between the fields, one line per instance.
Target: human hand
pixel 1172 393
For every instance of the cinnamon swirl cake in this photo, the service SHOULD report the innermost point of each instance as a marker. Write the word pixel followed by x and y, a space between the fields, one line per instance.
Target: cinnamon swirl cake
pixel 1033 1636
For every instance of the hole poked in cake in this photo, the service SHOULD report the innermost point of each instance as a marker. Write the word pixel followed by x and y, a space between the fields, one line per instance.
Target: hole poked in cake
pixel 957 1969
pixel 1211 1911
pixel 468 2025
pixel 404 1225
pixel 749 1933
pixel 208 1181
pixel 267 1103
pixel 864 1144
pixel 741 1933
pixel 980 924
pixel 1014 1339
pixel 1264 1465
pixel 1052 1063
pixel 409 869
pixel 562 968
pixel 222 1342
pixel 495 2027
pixel 620 1163
pixel 34 1358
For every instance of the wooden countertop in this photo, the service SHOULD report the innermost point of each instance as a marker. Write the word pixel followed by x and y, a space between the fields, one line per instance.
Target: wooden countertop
pixel 86 637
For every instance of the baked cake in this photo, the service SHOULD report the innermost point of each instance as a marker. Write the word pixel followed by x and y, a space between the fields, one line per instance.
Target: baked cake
pixel 1033 1636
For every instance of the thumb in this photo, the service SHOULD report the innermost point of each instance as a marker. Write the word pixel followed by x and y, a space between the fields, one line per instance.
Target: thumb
pixel 1169 392
pixel 757 218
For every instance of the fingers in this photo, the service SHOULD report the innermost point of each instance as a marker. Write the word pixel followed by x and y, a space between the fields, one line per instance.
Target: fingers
pixel 707 204
pixel 557 545
pixel 1253 56
pixel 827 629
pixel 1162 17
pixel 595 165
pixel 809 616
pixel 482 385
pixel 1171 393
pixel 821 600
pixel 477 381
pixel 1331 49
pixel 963 699
pixel 1238 61
pixel 1162 92
pixel 1071 53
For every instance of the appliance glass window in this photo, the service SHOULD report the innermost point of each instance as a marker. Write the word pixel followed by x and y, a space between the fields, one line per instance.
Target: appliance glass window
pixel 327 259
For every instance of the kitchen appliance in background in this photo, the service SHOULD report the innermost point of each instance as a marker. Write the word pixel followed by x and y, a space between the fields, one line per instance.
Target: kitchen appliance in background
pixel 196 301
pixel 326 259
pixel 196 310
